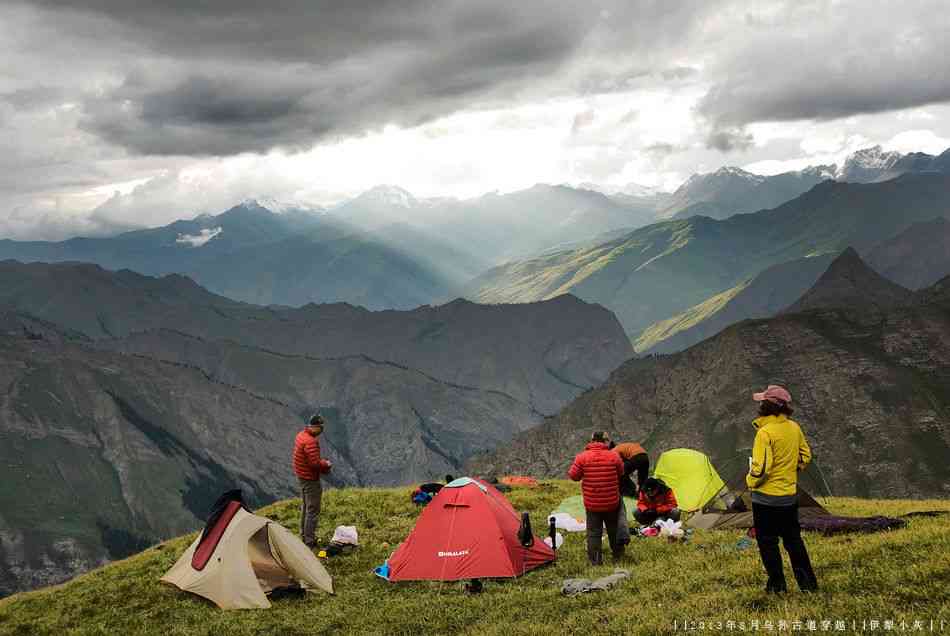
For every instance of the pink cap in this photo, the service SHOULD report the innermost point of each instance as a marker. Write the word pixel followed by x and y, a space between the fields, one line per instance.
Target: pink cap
pixel 774 393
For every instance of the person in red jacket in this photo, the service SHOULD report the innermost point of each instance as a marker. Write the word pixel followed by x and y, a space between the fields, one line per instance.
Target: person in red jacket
pixel 599 470
pixel 308 466
pixel 656 501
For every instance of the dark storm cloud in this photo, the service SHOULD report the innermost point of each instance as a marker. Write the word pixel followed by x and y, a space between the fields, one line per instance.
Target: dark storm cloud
pixel 824 61
pixel 206 78
pixel 249 77
pixel 729 139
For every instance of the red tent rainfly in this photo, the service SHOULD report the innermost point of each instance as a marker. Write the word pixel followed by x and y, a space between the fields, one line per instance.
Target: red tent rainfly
pixel 468 531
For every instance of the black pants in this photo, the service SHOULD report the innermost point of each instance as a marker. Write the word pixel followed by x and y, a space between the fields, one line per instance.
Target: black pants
pixel 595 534
pixel 639 464
pixel 647 517
pixel 772 523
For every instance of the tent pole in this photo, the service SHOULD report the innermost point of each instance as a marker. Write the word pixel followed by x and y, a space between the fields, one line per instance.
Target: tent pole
pixel 821 473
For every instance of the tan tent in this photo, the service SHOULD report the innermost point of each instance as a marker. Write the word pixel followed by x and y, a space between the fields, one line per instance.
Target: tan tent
pixel 241 557
pixel 733 509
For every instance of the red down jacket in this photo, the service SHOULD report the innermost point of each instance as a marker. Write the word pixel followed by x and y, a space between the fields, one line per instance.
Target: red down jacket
pixel 307 462
pixel 664 501
pixel 599 470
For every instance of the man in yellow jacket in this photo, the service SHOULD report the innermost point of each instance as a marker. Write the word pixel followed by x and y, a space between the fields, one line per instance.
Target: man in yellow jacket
pixel 779 454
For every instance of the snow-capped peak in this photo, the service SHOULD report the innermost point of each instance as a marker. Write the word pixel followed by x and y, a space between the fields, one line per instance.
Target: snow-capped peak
pixel 390 195
pixel 868 159
pixel 630 189
pixel 733 171
pixel 822 172
pixel 280 206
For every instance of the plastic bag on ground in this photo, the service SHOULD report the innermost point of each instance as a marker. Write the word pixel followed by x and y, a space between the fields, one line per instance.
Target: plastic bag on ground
pixel 566 522
pixel 345 535
pixel 670 528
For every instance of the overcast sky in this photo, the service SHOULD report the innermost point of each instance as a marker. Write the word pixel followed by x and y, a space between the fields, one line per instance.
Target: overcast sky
pixel 124 113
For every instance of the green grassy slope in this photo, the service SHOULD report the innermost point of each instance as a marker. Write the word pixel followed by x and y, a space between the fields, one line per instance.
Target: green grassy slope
pixel 665 329
pixel 897 575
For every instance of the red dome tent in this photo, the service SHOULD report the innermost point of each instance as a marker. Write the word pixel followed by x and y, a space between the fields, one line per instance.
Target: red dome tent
pixel 468 531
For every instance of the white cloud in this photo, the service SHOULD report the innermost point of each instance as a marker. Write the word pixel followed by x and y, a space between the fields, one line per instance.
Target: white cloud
pixel 918 141
pixel 199 239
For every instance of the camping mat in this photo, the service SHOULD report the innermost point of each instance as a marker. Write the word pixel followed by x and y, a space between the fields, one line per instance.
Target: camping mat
pixel 926 513
pixel 574 506
pixel 831 524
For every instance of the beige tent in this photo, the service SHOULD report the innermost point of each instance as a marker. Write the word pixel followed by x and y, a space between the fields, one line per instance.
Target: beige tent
pixel 733 509
pixel 242 558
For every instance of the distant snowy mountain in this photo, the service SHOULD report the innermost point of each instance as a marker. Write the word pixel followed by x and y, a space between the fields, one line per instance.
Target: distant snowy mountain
pixel 631 189
pixel 728 191
pixel 283 206
pixel 386 195
pixel 867 165
pixel 731 190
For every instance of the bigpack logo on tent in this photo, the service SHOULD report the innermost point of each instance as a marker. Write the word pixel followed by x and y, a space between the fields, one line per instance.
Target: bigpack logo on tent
pixel 443 555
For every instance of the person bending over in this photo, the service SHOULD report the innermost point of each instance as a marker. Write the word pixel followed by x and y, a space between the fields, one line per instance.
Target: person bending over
pixel 635 460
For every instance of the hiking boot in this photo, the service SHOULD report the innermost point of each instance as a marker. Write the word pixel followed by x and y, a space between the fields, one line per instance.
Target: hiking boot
pixel 596 557
pixel 776 588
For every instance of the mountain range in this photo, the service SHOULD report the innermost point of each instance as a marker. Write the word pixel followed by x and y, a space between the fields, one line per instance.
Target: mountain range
pixel 867 363
pixel 542 354
pixel 731 190
pixel 653 273
pixel 387 249
pixel 382 250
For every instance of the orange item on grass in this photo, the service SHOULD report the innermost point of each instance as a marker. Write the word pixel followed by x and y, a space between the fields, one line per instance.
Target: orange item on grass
pixel 519 481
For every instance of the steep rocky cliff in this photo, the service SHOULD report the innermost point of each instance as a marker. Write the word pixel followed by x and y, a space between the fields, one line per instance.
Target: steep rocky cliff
pixel 870 385
pixel 100 454
pixel 389 424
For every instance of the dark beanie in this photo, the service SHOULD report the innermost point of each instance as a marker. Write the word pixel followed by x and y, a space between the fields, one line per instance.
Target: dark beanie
pixel 316 420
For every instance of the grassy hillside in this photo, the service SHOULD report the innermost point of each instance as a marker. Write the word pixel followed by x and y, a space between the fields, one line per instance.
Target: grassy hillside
pixel 897 575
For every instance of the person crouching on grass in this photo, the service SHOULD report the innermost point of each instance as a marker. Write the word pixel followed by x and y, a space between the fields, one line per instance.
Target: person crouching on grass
pixel 308 466
pixel 656 501
pixel 599 470
pixel 780 452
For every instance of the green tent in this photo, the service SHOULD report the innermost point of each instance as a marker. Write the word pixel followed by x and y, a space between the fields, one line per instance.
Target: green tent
pixel 691 476
pixel 574 506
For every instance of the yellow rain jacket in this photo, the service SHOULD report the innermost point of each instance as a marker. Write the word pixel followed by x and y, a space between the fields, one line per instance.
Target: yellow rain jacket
pixel 779 453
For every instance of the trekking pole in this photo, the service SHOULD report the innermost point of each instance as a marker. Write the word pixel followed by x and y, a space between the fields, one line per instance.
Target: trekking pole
pixel 552 532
